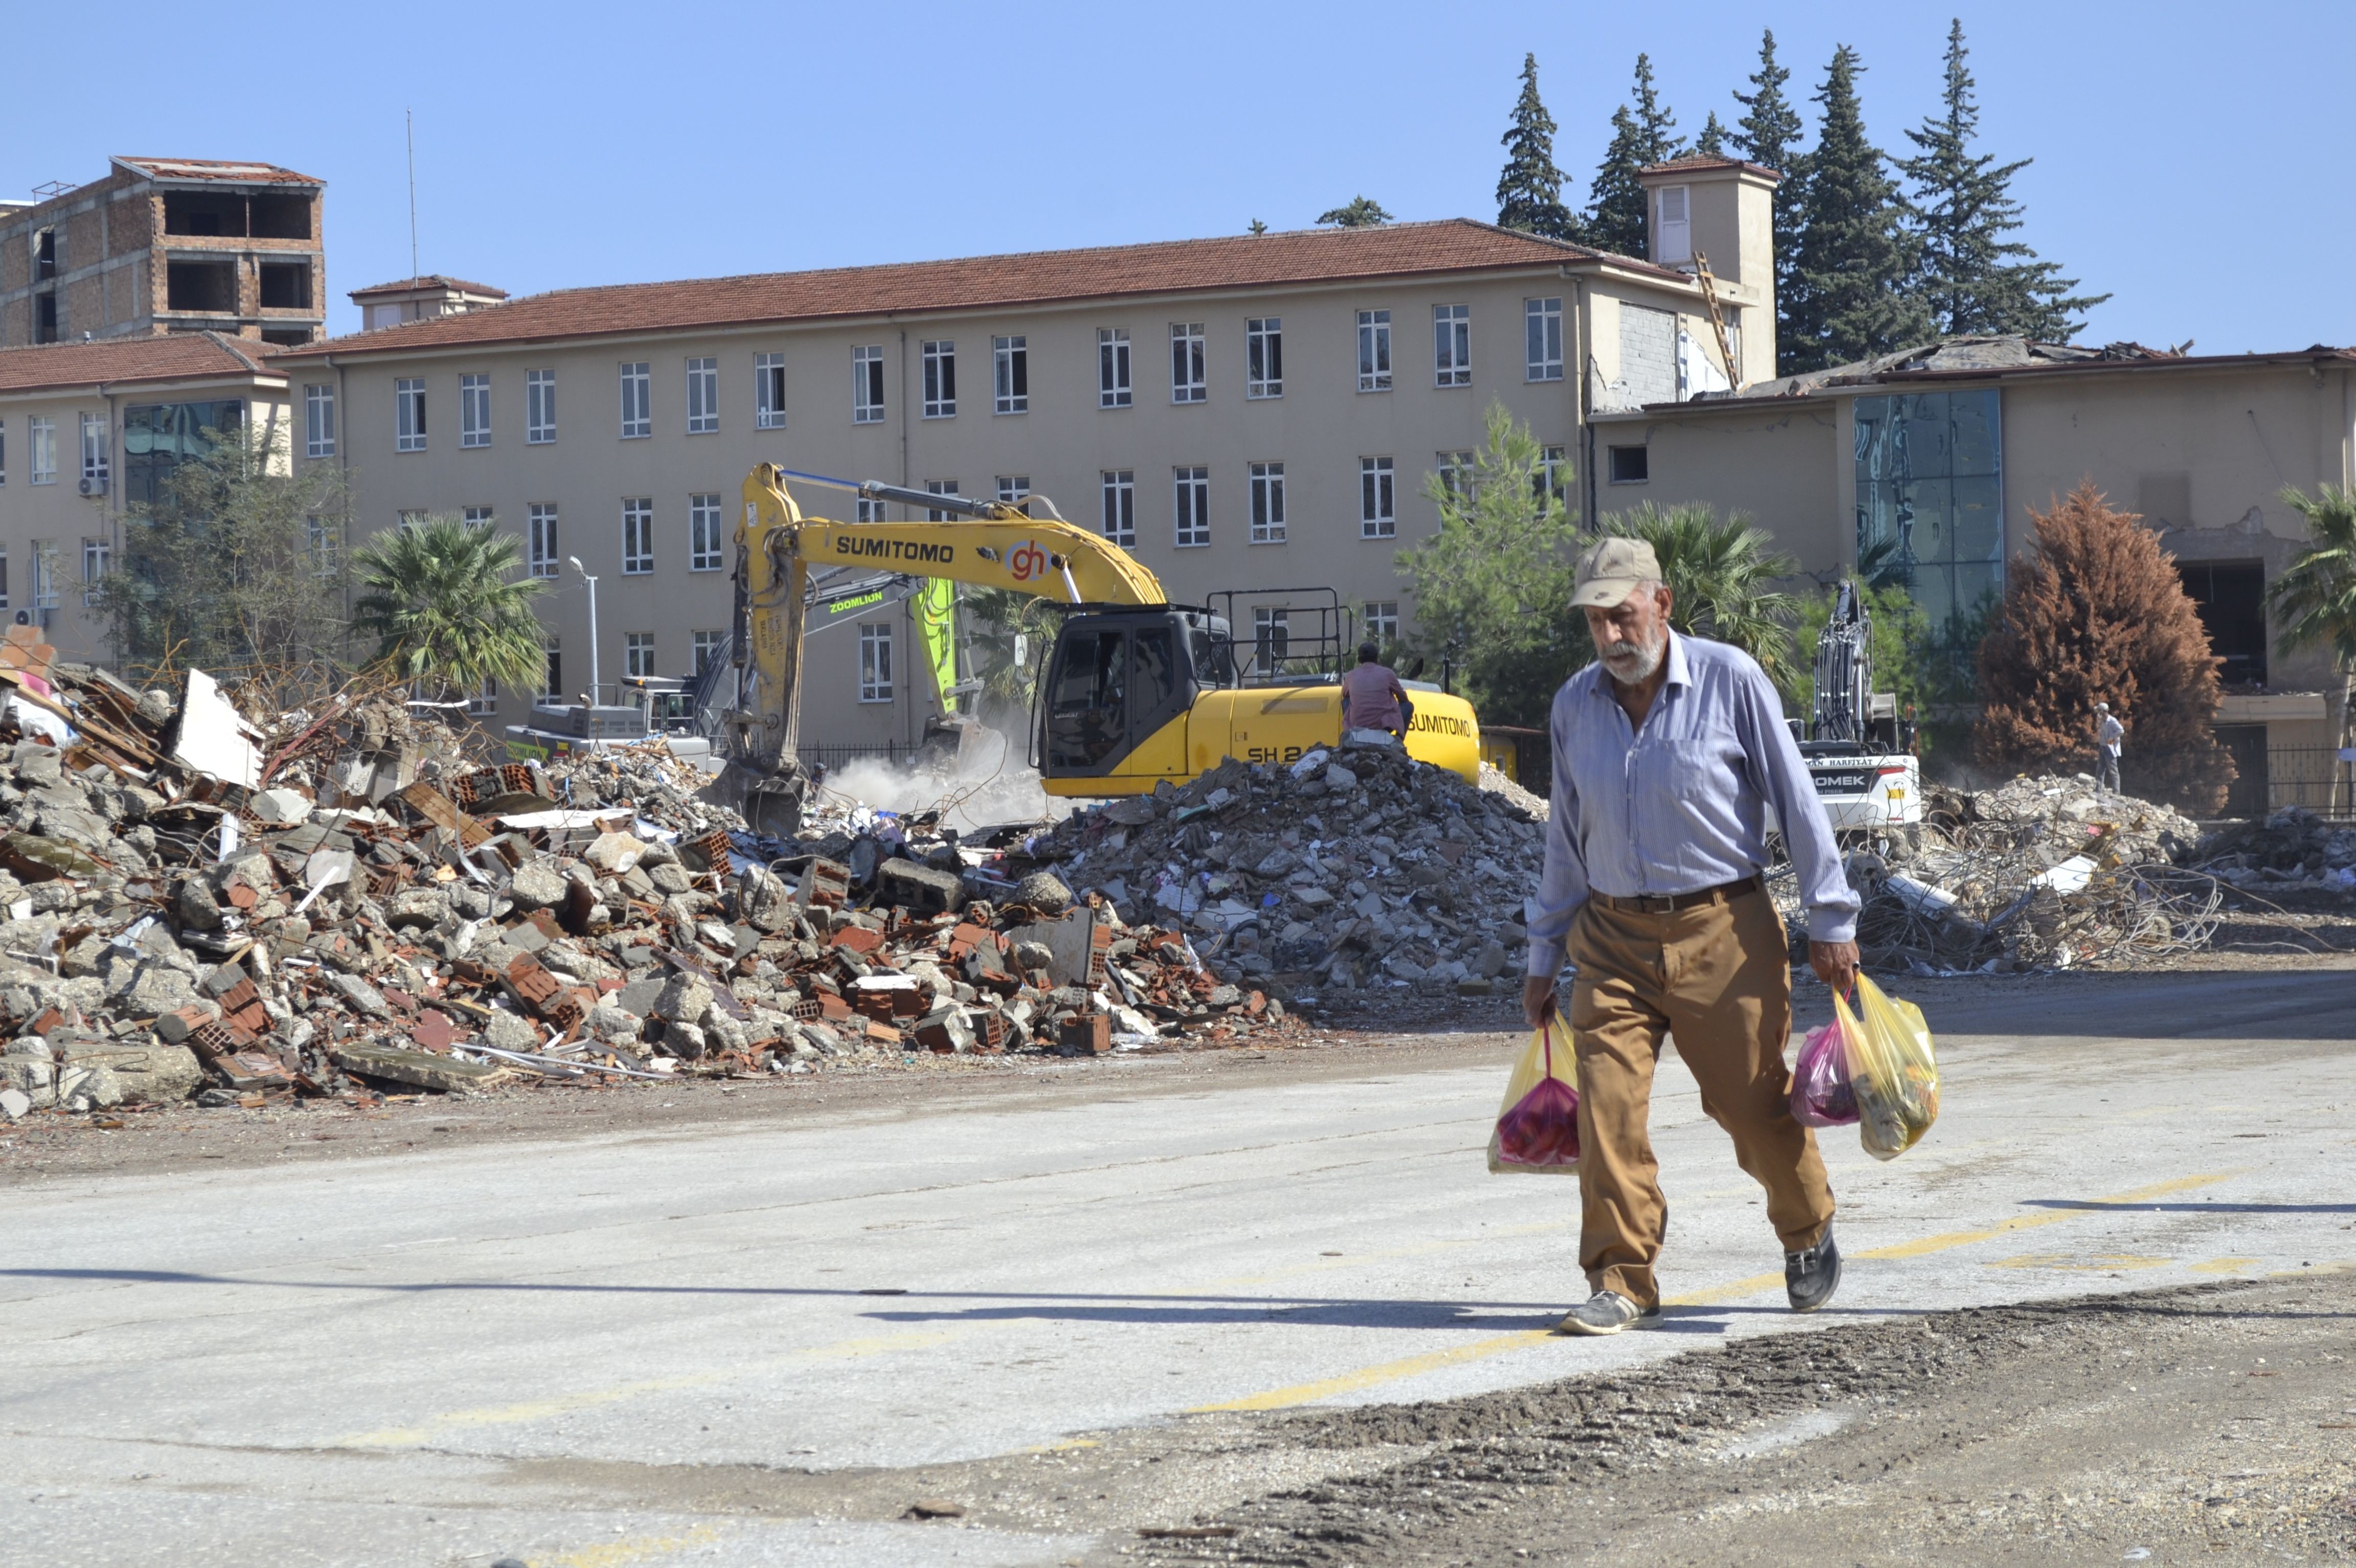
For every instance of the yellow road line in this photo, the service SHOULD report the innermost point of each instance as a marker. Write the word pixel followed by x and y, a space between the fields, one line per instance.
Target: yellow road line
pixel 637 1549
pixel 561 1404
pixel 1498 1345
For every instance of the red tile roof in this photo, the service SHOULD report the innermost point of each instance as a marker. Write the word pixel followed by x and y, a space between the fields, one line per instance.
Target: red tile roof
pixel 215 169
pixel 1176 266
pixel 1698 162
pixel 113 361
pixel 429 280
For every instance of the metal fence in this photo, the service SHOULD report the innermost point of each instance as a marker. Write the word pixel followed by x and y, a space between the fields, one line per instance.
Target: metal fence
pixel 2310 776
pixel 833 757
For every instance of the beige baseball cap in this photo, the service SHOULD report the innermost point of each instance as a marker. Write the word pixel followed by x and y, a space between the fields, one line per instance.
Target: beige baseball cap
pixel 1609 569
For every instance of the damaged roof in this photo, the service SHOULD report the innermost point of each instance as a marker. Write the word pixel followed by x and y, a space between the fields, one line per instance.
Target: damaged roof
pixel 2003 355
pixel 214 170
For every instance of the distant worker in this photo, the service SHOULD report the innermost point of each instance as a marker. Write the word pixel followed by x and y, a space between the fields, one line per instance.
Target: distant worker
pixel 1669 752
pixel 2108 733
pixel 1372 696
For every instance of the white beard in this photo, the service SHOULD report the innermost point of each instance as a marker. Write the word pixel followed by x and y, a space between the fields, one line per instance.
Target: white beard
pixel 1631 665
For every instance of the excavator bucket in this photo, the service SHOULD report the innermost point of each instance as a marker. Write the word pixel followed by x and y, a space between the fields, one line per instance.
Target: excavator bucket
pixel 770 803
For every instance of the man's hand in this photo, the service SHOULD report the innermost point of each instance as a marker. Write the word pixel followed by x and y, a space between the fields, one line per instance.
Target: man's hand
pixel 1538 998
pixel 1835 964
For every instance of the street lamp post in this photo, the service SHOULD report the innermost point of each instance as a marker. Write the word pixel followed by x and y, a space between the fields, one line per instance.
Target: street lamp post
pixel 575 561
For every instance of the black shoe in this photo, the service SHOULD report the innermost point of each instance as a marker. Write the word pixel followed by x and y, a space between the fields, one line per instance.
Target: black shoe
pixel 1811 1277
pixel 1608 1312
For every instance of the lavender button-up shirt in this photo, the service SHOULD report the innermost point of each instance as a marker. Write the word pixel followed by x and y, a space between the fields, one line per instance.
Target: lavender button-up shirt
pixel 1680 804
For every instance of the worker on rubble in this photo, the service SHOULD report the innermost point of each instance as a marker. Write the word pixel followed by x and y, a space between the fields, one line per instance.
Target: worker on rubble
pixel 1668 751
pixel 1372 696
pixel 2108 733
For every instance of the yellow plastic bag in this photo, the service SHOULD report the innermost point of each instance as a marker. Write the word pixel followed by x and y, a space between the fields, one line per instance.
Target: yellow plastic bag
pixel 1891 1068
pixel 1538 1127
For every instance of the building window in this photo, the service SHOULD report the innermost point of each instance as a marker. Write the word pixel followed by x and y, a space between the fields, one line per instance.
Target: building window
pixel 4 576
pixel 875 664
pixel 158 437
pixel 702 396
pixel 1268 503
pixel 1455 470
pixel 867 385
pixel 1629 464
pixel 637 537
pixel 1554 472
pixel 485 702
pixel 940 487
pixel 940 379
pixel 1013 489
pixel 1120 506
pixel 95 449
pixel 319 542
pixel 1010 361
pixel 1271 638
pixel 4 456
pixel 551 679
pixel 409 409
pixel 638 401
pixel 97 561
pixel 1452 345
pixel 1112 367
pixel 703 533
pixel 1930 505
pixel 1377 499
pixel 1188 382
pixel 1191 505
pixel 869 510
pixel 539 407
pixel 44 574
pixel 1542 320
pixel 474 410
pixel 477 517
pixel 318 422
pixel 43 437
pixel 707 648
pixel 770 392
pixel 637 652
pixel 2231 598
pixel 540 518
pixel 1374 351
pixel 1382 622
pixel 1264 357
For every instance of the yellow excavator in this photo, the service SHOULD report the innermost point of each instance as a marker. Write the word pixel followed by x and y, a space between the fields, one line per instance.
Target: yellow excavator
pixel 1135 691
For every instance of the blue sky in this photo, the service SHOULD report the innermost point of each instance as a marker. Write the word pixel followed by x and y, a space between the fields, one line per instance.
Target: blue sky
pixel 2174 147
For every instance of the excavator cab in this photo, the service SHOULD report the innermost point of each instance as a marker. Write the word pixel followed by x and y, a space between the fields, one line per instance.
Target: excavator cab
pixel 1119 685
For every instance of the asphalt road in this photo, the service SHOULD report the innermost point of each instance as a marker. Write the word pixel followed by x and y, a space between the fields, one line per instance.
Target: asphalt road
pixel 761 1344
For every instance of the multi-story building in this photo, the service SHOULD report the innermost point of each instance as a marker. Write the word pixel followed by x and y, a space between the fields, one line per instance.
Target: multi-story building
pixel 1255 412
pixel 164 245
pixel 88 429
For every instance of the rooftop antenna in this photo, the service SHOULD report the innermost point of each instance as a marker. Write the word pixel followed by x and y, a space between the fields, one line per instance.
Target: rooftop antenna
pixel 408 122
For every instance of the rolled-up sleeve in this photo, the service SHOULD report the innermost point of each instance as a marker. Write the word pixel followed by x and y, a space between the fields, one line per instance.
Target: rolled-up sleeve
pixel 1782 777
pixel 1562 883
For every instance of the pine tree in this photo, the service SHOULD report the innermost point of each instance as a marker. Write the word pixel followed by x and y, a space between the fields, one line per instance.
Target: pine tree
pixel 1973 279
pixel 1851 294
pixel 1616 213
pixel 2099 615
pixel 1711 143
pixel 1529 191
pixel 1364 212
pixel 1768 135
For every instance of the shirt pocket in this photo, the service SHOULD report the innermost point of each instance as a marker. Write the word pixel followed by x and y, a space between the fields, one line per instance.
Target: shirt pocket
pixel 1687 789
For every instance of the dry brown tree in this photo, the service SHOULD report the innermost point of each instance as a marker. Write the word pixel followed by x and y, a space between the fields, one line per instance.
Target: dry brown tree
pixel 2097 613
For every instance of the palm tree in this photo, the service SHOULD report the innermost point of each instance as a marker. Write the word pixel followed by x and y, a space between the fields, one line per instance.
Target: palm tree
pixel 2315 601
pixel 1000 624
pixel 443 598
pixel 1718 570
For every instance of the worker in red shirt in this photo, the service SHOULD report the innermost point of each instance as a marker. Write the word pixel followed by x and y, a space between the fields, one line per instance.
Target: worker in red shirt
pixel 1372 696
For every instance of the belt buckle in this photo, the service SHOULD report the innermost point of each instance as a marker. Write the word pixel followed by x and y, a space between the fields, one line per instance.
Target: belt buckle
pixel 1656 903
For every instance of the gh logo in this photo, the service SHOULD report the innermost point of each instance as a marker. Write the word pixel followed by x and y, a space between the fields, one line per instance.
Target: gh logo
pixel 1027 560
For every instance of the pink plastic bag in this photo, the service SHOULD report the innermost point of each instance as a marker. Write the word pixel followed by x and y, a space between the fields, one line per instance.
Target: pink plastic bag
pixel 1538 1127
pixel 1821 1093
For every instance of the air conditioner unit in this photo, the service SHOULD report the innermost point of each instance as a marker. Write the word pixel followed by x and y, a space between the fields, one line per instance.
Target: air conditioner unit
pixel 94 485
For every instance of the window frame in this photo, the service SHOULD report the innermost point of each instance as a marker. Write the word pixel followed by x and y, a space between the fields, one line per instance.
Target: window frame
pixel 41 450
pixel 97 549
pixel 409 413
pixel 704 551
pixel 97 454
pixel 1014 490
pixel 1542 339
pixel 1010 370
pixel 940 385
pixel 770 392
pixel 1190 506
pixel 1614 460
pixel 636 389
pixel 319 421
pixel 1378 498
pixel 1268 503
pixel 703 646
pixel 638 654
pixel 875 662
pixel 1189 355
pixel 1455 471
pixel 1263 356
pixel 1553 463
pixel 703 395
pixel 474 409
pixel 638 536
pixel 1452 345
pixel 539 408
pixel 1116 498
pixel 1374 362
pixel 940 487
pixel 1379 621
pixel 1114 389
pixel 867 383
pixel 542 554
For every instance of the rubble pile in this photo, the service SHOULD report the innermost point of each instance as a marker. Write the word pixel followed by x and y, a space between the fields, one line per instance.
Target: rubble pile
pixel 348 904
pixel 1349 869
pixel 2042 872
pixel 2292 848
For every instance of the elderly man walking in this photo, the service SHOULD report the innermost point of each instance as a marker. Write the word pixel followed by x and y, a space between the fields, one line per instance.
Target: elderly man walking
pixel 2108 733
pixel 1668 751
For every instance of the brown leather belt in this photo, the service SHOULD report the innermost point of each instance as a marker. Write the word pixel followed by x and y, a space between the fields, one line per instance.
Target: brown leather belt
pixel 1665 903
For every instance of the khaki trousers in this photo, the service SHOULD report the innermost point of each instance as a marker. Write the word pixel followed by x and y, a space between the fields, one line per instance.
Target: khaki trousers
pixel 1716 976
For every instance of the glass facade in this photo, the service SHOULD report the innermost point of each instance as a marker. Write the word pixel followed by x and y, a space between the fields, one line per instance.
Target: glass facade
pixel 1929 501
pixel 159 437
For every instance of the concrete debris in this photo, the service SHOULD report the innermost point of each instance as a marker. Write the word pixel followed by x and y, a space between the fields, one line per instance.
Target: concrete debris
pixel 2292 848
